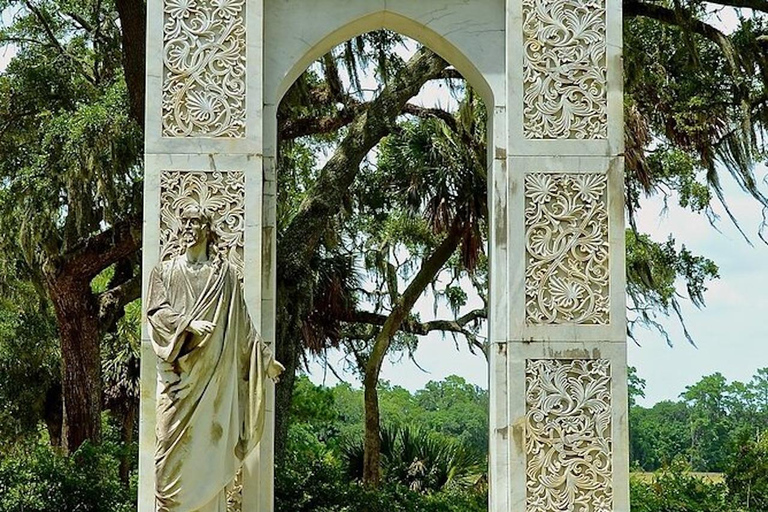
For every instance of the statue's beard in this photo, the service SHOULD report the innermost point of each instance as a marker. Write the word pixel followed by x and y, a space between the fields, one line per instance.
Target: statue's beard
pixel 190 240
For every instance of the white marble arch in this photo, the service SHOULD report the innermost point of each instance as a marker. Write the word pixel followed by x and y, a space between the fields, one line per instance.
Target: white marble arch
pixel 477 49
pixel 486 42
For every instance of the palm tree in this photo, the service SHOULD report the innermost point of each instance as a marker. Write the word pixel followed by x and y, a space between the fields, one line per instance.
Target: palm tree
pixel 423 461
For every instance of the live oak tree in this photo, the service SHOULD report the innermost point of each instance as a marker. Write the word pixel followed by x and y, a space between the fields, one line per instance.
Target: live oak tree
pixel 71 175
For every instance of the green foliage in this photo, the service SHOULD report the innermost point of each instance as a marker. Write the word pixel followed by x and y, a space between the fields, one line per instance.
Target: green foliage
pixel 313 478
pixel 426 468
pixel 694 105
pixel 653 269
pixel 38 479
pixel 121 364
pixel 452 408
pixel 456 409
pixel 747 474
pixel 675 489
pixel 711 425
pixel 421 460
pixel 679 171
pixel 713 420
pixel 659 435
pixel 29 362
pixel 71 153
pixel 635 385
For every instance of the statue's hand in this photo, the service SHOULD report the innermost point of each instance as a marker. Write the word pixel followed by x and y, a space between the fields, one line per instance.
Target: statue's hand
pixel 274 370
pixel 201 327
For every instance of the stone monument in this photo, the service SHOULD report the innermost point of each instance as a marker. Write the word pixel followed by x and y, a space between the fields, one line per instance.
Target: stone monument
pixel 550 74
pixel 211 369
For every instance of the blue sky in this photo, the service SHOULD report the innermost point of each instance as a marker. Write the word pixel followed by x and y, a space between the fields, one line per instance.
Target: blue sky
pixel 731 332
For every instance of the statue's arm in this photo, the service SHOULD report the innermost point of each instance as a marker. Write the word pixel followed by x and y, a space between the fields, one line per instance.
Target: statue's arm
pixel 169 327
pixel 255 343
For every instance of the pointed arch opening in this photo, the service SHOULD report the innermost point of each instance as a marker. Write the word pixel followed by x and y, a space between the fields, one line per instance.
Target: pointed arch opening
pixel 388 20
pixel 456 229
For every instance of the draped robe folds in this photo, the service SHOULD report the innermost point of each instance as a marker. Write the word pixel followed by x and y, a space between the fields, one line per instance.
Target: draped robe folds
pixel 210 402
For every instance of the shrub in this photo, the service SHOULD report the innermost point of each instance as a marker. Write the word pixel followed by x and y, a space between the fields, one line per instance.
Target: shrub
pixel 423 461
pixel 313 478
pixel 38 479
pixel 675 489
pixel 747 474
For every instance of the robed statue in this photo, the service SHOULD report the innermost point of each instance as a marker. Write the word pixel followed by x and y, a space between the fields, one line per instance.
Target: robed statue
pixel 212 370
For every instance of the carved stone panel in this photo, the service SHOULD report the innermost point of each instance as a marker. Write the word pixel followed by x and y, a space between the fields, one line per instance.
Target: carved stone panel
pixel 235 494
pixel 568 440
pixel 221 195
pixel 565 69
pixel 567 250
pixel 204 82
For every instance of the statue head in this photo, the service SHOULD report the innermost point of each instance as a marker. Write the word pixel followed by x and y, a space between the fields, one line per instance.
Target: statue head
pixel 196 227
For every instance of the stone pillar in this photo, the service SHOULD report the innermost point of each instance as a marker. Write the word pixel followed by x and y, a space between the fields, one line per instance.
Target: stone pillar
pixel 204 146
pixel 559 433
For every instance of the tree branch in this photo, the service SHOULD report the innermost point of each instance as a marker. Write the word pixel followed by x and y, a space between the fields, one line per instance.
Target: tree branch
pixel 684 20
pixel 293 128
pixel 54 41
pixel 758 5
pixel 437 113
pixel 102 250
pixel 412 326
pixel 449 74
pixel 112 302
pixel 426 274
pixel 451 122
pixel 305 231
pixel 84 24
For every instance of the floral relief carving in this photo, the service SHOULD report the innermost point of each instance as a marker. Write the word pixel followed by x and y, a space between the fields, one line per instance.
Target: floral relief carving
pixel 204 68
pixel 568 440
pixel 567 266
pixel 565 69
pixel 221 195
pixel 235 493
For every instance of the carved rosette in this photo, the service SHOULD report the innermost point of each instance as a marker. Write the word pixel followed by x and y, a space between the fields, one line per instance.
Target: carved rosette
pixel 204 68
pixel 565 69
pixel 221 194
pixel 568 441
pixel 567 266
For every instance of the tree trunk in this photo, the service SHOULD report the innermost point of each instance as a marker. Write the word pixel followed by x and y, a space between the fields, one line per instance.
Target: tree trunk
pixel 288 355
pixel 430 268
pixel 288 352
pixel 372 443
pixel 80 335
pixel 299 242
pixel 133 15
pixel 128 420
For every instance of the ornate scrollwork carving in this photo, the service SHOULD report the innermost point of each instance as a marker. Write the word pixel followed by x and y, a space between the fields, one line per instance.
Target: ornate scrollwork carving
pixel 235 494
pixel 221 194
pixel 567 268
pixel 204 68
pixel 568 439
pixel 565 69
